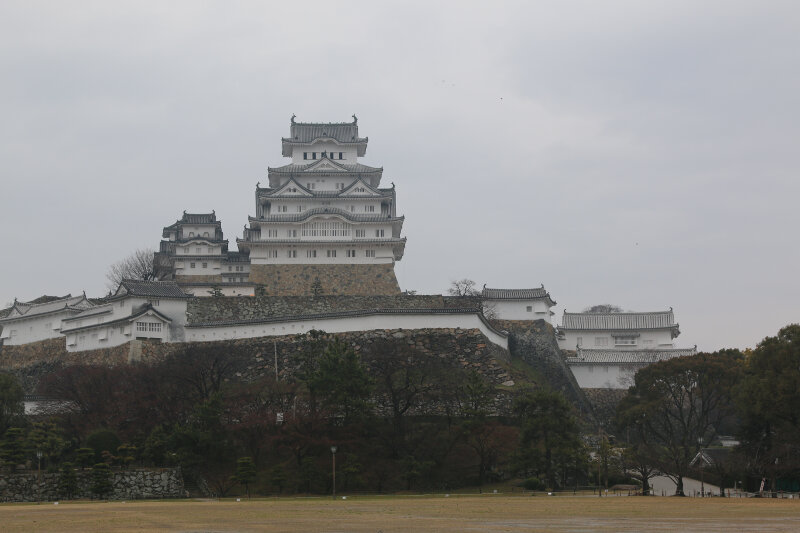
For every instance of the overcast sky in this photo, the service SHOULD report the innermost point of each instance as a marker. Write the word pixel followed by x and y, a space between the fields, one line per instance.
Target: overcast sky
pixel 643 154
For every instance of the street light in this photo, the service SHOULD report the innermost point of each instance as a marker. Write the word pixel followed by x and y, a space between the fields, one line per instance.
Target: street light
pixel 39 476
pixel 333 456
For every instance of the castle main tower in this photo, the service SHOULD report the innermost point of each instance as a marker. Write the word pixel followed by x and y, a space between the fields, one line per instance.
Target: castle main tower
pixel 324 224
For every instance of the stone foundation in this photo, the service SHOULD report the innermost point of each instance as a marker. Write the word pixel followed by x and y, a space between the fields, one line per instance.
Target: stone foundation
pixel 127 485
pixel 297 280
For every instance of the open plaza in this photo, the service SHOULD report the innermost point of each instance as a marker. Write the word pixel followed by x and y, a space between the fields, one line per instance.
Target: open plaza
pixel 440 513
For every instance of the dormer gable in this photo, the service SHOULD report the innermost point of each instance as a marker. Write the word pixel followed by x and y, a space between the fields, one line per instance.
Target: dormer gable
pixel 292 189
pixel 325 165
pixel 359 187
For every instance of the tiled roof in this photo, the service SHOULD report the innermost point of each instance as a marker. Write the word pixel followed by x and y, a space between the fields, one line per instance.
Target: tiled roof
pixel 516 294
pixel 154 289
pixel 344 132
pixel 199 218
pixel 297 217
pixel 92 311
pixel 346 241
pixel 356 168
pixel 618 321
pixel 605 357
pixel 133 316
pixel 69 302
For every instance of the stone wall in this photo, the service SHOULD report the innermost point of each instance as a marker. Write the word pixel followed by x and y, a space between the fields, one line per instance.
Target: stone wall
pixel 535 343
pixel 296 280
pixel 252 308
pixel 604 403
pixel 127 485
pixel 206 278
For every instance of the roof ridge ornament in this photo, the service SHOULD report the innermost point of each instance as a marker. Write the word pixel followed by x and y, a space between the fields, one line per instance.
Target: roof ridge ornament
pixel 293 117
pixel 355 119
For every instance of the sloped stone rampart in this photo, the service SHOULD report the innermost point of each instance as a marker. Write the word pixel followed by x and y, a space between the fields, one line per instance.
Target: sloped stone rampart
pixel 127 485
pixel 604 403
pixel 297 280
pixel 535 343
pixel 252 308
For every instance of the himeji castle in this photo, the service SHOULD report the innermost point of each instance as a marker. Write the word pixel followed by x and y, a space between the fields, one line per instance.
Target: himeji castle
pixel 324 222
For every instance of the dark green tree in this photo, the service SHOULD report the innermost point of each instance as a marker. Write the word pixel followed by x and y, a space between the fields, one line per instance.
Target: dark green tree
pixel 549 435
pixel 101 480
pixel 14 448
pixel 245 472
pixel 341 381
pixel 85 457
pixel 278 478
pixel 12 407
pixel 260 290
pixel 769 401
pixel 68 481
pixel 126 454
pixel 102 440
pixel 215 292
pixel 46 436
pixel 676 405
pixel 316 287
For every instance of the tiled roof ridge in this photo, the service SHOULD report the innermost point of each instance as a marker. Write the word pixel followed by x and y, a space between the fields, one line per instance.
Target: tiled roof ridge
pixel 621 313
pixel 296 217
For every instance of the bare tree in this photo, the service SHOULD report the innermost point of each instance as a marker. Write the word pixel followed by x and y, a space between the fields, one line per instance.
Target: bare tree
pixel 463 287
pixel 603 308
pixel 138 265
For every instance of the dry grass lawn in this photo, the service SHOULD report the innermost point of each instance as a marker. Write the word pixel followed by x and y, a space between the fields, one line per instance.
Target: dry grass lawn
pixel 408 513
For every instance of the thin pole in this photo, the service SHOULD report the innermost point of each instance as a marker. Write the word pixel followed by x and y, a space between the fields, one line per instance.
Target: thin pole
pixel 275 346
pixel 334 475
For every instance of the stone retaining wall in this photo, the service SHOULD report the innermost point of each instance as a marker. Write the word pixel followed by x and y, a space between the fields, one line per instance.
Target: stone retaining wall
pixel 252 308
pixel 604 403
pixel 296 280
pixel 127 485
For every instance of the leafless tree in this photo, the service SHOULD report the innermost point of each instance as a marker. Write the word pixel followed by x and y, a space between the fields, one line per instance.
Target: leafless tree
pixel 138 265
pixel 463 287
pixel 603 308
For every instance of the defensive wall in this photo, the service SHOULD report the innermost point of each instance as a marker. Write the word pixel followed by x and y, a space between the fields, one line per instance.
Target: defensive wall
pixel 126 485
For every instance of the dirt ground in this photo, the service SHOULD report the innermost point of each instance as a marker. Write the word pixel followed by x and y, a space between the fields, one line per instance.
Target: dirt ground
pixel 388 514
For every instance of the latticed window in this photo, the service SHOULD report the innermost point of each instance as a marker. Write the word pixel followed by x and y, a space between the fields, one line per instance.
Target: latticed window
pixel 326 229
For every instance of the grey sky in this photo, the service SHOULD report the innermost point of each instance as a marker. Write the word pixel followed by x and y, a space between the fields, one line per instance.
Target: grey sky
pixel 637 153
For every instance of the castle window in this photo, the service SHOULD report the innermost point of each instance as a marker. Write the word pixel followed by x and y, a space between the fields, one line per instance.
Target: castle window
pixel 360 233
pixel 625 341
pixel 205 234
pixel 273 254
pixel 191 265
pixel 272 232
pixel 311 253
pixel 191 234
pixel 205 265
pixel 291 233
pixel 360 189
pixel 313 155
pixel 331 253
pixel 352 209
pixel 369 208
pixel 351 253
pixel 197 251
pixel 305 155
pixel 299 208
pixel 312 186
pixel 370 253
pixel 230 268
pixel 529 308
pixel 379 233
pixel 291 253
pixel 340 155
pixel 340 186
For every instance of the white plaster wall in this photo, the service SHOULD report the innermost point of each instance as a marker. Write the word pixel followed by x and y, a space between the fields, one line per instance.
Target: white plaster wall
pixel 342 325
pixel 656 338
pixel 183 267
pixel 259 254
pixel 349 155
pixel 33 329
pixel 603 376
pixel 518 309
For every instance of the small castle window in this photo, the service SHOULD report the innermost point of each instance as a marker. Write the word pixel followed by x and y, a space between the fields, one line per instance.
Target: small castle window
pixel 370 253
pixel 529 308
pixel 331 253
pixel 205 265
pixel 191 265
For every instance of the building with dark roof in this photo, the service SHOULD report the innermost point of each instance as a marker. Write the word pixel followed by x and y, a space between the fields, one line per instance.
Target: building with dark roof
pixel 195 253
pixel 518 304
pixel 610 347
pixel 324 223
pixel 39 319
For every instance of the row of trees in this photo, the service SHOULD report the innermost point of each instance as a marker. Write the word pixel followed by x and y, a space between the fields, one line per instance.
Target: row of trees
pixel 400 418
pixel 678 406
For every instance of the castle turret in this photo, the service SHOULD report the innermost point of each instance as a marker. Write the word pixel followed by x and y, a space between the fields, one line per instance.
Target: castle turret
pixel 324 217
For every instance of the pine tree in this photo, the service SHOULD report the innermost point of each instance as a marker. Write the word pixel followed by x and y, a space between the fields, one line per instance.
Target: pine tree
pixel 245 472
pixel 101 479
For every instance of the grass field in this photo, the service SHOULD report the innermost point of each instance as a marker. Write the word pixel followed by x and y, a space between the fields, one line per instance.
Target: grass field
pixel 411 513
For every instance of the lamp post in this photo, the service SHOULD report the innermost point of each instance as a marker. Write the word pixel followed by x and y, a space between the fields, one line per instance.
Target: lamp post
pixel 702 470
pixel 39 476
pixel 333 457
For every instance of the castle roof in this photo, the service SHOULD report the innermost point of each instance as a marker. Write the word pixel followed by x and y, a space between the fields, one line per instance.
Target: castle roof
pixel 619 321
pixel 308 132
pixel 606 357
pixel 46 305
pixel 517 294
pixel 146 309
pixel 314 168
pixel 150 289
pixel 308 213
